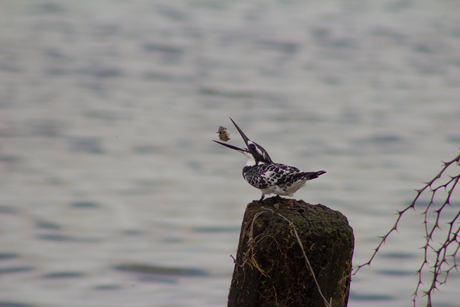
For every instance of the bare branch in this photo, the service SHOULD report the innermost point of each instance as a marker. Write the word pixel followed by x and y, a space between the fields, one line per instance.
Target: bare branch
pixel 444 263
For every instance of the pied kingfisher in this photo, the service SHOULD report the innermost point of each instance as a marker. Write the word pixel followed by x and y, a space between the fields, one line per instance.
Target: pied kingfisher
pixel 269 177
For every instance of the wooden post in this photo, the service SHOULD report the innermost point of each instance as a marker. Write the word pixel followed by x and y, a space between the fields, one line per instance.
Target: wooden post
pixel 277 237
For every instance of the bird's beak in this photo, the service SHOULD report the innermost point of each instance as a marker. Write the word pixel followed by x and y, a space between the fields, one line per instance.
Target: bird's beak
pixel 241 150
pixel 245 138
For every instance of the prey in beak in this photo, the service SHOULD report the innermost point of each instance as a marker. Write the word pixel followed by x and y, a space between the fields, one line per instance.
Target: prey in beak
pixel 269 177
pixel 256 154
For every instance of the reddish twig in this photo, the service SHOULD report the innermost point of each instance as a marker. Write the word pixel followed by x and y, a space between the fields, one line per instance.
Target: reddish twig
pixel 440 268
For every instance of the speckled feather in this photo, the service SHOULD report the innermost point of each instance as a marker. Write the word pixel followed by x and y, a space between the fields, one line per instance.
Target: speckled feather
pixel 263 175
pixel 269 177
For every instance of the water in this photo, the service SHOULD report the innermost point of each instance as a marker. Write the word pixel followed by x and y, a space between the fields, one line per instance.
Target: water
pixel 112 193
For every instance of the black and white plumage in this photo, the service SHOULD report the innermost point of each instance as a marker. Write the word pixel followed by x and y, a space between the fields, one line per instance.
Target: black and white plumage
pixel 269 177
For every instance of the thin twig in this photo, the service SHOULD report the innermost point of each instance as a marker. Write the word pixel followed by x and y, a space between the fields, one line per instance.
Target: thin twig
pixel 432 225
pixel 291 224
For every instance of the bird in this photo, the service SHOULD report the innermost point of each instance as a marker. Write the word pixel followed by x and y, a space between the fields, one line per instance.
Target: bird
pixel 269 177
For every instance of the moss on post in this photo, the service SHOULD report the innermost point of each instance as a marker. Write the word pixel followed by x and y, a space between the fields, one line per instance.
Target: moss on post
pixel 272 268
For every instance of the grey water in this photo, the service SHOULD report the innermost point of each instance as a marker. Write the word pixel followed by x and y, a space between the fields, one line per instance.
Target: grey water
pixel 112 192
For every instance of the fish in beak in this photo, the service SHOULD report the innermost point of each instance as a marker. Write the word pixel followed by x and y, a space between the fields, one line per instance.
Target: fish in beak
pixel 255 153
pixel 244 151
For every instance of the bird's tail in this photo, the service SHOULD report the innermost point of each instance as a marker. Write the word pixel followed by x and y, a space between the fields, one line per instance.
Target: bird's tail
pixel 308 175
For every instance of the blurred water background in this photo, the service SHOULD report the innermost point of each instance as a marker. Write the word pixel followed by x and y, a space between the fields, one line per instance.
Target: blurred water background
pixel 112 192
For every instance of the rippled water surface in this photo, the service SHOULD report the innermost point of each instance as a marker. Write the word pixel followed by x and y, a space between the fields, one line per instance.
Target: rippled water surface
pixel 112 193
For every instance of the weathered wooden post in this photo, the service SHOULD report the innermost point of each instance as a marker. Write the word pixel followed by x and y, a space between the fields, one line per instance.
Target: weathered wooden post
pixel 280 240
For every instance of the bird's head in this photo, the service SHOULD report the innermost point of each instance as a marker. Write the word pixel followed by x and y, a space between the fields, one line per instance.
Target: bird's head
pixel 253 151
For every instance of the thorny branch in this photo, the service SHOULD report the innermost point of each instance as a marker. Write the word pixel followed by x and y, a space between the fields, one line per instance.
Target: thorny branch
pixel 440 268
